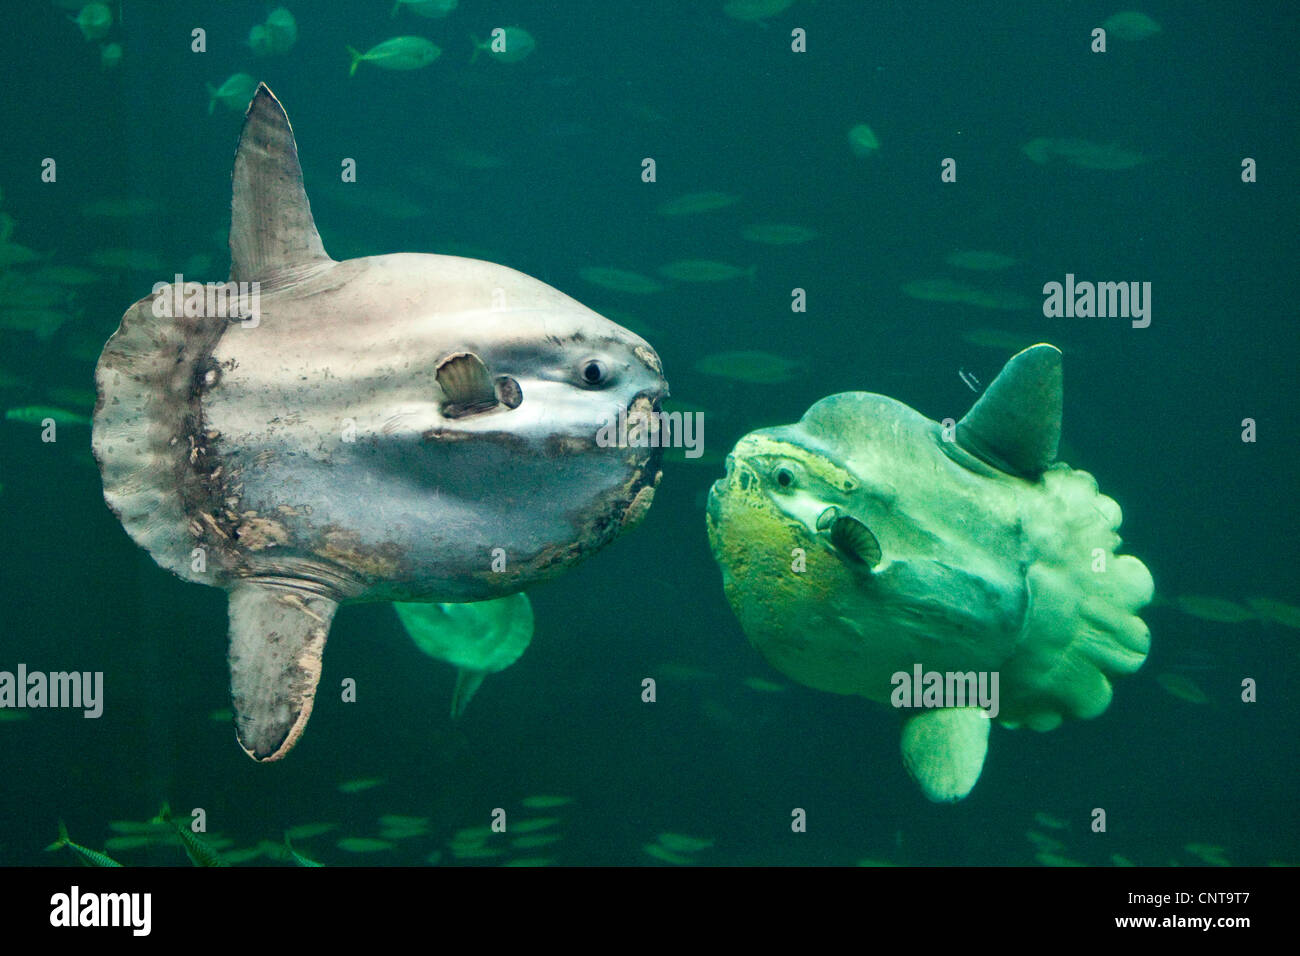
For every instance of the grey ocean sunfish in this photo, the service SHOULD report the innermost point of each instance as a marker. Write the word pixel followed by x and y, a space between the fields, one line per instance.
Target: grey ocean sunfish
pixel 400 427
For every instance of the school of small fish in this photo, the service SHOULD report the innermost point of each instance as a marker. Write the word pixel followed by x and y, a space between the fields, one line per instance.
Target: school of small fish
pixel 46 298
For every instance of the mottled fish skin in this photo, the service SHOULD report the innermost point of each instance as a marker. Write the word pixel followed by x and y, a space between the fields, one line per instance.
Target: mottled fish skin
pixel 448 484
pixel 962 549
pixel 306 456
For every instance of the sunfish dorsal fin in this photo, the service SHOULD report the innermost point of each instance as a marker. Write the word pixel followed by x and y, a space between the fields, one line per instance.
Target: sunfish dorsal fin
pixel 272 235
pixel 1016 424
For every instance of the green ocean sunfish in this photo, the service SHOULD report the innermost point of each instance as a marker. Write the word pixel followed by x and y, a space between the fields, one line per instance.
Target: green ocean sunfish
pixel 866 541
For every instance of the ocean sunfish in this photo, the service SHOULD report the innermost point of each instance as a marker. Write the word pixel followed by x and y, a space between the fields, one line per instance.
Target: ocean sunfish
pixel 866 546
pixel 400 427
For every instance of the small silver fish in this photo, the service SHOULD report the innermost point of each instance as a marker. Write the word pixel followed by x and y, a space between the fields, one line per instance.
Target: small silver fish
pixel 398 53
pixel 87 856
pixel 37 414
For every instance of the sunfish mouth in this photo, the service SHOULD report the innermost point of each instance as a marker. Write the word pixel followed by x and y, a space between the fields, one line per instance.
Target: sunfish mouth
pixel 646 407
pixel 629 504
pixel 739 475
pixel 713 504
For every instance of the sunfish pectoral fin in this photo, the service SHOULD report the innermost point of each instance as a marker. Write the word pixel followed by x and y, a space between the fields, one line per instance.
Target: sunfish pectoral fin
pixel 1016 424
pixel 850 537
pixel 277 636
pixel 467 682
pixel 944 749
pixel 468 387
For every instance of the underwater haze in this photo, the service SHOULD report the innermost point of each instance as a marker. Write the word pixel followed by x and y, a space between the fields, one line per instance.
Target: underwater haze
pixel 787 200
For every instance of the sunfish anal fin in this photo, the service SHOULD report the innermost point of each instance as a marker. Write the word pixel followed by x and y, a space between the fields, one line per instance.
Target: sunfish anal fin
pixel 465 381
pixel 944 749
pixel 273 238
pixel 277 636
pixel 1016 424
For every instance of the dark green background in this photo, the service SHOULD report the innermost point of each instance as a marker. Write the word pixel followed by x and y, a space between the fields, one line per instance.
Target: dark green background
pixel 1155 414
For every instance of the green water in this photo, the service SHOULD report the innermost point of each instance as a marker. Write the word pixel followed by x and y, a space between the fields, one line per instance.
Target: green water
pixel 538 165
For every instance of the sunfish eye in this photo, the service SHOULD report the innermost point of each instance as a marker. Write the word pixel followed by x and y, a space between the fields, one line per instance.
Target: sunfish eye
pixel 594 372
